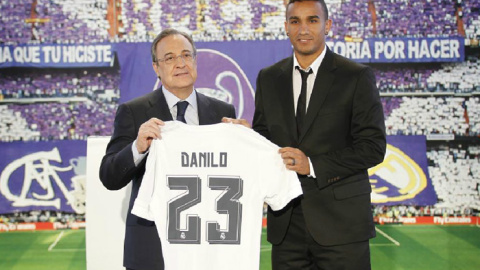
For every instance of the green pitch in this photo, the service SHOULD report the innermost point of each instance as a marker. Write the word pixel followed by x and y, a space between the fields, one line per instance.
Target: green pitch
pixel 426 247
pixel 419 247
pixel 43 250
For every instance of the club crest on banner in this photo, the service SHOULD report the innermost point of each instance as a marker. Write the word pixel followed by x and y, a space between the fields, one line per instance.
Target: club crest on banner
pixel 401 177
pixel 36 181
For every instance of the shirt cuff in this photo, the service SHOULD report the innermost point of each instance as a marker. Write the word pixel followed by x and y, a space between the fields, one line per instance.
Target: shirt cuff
pixel 137 157
pixel 312 172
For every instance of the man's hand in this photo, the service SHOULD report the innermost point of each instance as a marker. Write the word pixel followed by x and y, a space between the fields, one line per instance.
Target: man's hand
pixel 295 160
pixel 148 131
pixel 242 122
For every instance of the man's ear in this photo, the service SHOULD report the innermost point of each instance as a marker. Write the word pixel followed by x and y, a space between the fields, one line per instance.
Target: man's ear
pixel 328 26
pixel 155 68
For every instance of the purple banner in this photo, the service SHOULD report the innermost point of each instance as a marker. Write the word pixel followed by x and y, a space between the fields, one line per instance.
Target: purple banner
pixel 368 50
pixel 403 178
pixel 43 176
pixel 57 55
pixel 401 50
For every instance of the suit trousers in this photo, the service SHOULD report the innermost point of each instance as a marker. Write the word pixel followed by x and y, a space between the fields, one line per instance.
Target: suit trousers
pixel 299 251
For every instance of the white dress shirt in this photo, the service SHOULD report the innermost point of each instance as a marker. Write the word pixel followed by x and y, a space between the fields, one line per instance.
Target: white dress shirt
pixel 297 86
pixel 297 78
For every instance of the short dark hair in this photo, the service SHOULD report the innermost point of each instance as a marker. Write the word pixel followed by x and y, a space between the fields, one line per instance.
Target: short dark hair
pixel 322 2
pixel 169 32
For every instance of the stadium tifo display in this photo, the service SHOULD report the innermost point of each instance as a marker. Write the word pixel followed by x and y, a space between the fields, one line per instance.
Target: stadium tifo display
pixel 65 66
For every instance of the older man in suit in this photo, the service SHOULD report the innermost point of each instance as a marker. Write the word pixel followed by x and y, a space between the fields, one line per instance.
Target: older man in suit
pixel 139 121
pixel 325 111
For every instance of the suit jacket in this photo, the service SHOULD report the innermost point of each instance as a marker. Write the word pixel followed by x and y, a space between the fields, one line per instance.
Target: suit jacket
pixel 343 135
pixel 142 249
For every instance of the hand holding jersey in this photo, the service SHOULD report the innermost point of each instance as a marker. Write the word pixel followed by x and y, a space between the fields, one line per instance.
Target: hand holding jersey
pixel 148 131
pixel 295 160
pixel 242 122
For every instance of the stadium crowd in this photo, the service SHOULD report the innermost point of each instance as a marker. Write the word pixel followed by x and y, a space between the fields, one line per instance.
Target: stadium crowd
pixel 101 85
pixel 455 172
pixel 40 121
pixel 429 115
pixel 40 216
pixel 93 21
pixel 39 105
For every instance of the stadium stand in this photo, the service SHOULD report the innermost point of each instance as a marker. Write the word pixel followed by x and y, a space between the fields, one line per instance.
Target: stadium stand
pixel 54 21
pixel 455 173
pixel 471 19
pixel 95 84
pixel 392 18
pixel 13 127
pixel 415 18
pixel 41 216
pixel 14 29
pixel 472 106
pixel 55 121
pixel 458 77
pixel 72 21
pixel 404 78
pixel 429 115
pixel 95 21
pixel 50 104
pixel 390 104
pixel 63 121
pixel 254 20
pixel 436 78
pixel 205 20
pixel 361 26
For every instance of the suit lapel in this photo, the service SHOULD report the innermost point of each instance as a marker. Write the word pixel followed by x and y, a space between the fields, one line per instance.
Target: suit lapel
pixel 158 106
pixel 322 86
pixel 284 84
pixel 206 115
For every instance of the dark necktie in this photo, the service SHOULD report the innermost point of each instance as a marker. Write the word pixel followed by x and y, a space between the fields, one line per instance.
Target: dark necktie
pixel 181 108
pixel 302 100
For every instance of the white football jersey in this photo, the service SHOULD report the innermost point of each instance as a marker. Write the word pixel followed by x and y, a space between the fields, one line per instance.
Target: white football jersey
pixel 205 186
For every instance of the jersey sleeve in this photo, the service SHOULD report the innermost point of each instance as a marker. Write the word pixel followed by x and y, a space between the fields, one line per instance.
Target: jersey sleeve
pixel 141 206
pixel 281 184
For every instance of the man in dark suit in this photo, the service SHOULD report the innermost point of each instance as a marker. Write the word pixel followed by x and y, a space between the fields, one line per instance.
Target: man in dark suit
pixel 139 121
pixel 325 111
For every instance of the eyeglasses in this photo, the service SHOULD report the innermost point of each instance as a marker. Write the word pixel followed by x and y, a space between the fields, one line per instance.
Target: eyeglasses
pixel 188 57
